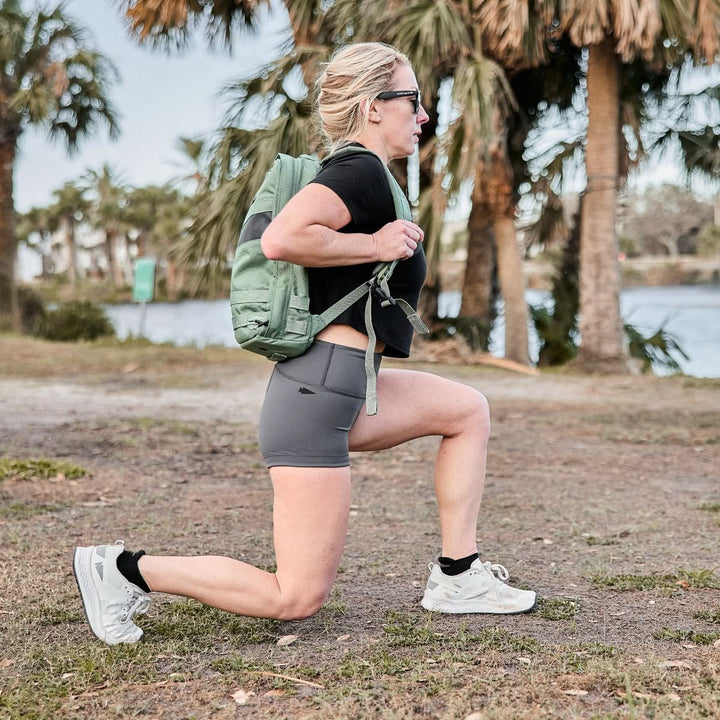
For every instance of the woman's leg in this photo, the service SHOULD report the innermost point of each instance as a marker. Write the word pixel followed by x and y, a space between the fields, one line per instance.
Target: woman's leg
pixel 411 405
pixel 415 404
pixel 310 517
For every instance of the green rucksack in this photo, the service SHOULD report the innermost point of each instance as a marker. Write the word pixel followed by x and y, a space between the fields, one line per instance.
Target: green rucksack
pixel 270 299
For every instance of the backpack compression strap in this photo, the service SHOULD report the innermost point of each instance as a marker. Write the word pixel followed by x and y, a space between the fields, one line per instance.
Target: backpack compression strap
pixel 377 284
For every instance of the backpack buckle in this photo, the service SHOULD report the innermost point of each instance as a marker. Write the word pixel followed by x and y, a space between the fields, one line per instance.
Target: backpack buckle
pixel 385 298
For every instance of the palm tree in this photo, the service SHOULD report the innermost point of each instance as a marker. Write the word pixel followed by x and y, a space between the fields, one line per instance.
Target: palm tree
pixel 70 208
pixel 106 213
pixel 48 78
pixel 444 46
pixel 193 151
pixel 158 218
pixel 613 34
pixel 41 222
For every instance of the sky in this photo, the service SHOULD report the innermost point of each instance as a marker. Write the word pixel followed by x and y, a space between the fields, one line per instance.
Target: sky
pixel 159 98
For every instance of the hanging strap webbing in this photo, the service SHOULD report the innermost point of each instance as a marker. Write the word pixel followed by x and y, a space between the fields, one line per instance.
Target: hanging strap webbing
pixel 378 284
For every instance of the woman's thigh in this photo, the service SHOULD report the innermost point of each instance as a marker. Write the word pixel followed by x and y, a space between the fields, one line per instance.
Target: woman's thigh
pixel 310 518
pixel 414 404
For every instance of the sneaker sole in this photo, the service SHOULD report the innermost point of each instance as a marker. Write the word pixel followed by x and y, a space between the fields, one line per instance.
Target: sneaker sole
pixel 466 608
pixel 90 596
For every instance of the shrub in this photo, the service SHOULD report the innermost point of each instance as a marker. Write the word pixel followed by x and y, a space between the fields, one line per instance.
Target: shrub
pixel 75 321
pixel 32 310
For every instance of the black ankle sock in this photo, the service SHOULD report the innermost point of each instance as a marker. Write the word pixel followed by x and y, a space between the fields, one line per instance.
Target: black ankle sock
pixel 455 567
pixel 127 564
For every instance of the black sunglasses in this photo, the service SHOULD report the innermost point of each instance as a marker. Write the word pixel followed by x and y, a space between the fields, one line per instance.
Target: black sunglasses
pixel 414 95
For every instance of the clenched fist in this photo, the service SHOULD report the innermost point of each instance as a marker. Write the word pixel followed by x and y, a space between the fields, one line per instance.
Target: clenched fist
pixel 397 240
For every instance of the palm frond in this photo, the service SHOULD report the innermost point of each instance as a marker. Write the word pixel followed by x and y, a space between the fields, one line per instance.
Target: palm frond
pixel 705 37
pixel 168 23
pixel 240 160
pixel 550 226
pixel 433 34
pixel 516 32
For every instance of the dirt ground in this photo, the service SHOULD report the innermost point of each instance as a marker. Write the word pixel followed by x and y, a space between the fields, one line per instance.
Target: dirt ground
pixel 602 494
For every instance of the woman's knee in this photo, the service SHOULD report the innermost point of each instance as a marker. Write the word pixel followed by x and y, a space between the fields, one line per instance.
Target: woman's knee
pixel 473 412
pixel 301 605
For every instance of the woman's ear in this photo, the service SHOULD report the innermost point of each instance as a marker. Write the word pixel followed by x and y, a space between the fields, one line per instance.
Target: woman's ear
pixel 372 108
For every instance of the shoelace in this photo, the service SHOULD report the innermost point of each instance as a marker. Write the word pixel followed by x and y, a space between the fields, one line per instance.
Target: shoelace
pixel 498 570
pixel 137 604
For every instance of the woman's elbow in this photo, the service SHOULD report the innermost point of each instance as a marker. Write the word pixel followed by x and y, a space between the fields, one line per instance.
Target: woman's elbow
pixel 271 244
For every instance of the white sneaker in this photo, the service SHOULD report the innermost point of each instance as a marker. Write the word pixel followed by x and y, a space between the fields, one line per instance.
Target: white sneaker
pixel 110 601
pixel 478 590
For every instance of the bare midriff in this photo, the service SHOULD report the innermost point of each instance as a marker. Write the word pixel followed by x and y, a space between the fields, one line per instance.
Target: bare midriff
pixel 346 335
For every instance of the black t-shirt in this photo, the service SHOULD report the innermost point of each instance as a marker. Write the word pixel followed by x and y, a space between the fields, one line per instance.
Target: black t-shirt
pixel 360 181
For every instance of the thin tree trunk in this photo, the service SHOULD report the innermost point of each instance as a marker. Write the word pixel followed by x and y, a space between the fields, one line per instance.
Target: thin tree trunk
pixel 428 306
pixel 601 332
pixel 9 310
pixel 512 287
pixel 110 235
pixel 70 246
pixel 477 292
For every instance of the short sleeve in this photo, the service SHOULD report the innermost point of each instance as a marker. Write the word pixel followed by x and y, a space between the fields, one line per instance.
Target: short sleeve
pixel 360 181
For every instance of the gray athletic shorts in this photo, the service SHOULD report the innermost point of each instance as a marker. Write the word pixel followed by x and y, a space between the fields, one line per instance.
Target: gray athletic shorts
pixel 310 405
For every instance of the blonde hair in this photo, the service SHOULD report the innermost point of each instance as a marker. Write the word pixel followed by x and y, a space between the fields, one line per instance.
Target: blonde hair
pixel 352 79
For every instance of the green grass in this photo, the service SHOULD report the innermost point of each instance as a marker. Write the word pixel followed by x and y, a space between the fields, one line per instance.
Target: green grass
pixel 556 608
pixel 38 469
pixel 711 616
pixel 682 579
pixel 198 626
pixel 712 507
pixel 692 636
pixel 23 510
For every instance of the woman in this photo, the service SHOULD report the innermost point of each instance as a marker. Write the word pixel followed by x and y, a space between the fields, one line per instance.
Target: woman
pixel 339 226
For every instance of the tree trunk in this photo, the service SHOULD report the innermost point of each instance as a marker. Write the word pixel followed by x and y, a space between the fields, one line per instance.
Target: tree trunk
pixel 69 225
pixel 477 293
pixel 110 242
pixel 512 287
pixel 174 279
pixel 601 331
pixel 9 310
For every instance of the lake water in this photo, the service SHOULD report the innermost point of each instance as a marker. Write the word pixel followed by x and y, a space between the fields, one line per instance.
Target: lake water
pixel 691 313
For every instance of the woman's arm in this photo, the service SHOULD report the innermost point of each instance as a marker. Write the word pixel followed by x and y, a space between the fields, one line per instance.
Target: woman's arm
pixel 305 232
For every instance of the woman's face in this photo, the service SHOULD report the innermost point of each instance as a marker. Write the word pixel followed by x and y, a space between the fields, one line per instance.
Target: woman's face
pixel 401 125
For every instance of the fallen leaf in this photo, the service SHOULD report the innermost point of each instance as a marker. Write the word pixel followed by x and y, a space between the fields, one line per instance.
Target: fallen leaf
pixel 242 697
pixel 576 693
pixel 343 638
pixel 6 662
pixel 275 693
pixel 475 716
pixel 676 664
pixel 683 583
pixel 641 696
pixel 287 640
pixel 524 661
pixel 716 644
pixel 288 677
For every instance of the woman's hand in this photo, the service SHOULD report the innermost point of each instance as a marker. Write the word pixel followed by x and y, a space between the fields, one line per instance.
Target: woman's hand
pixel 397 240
